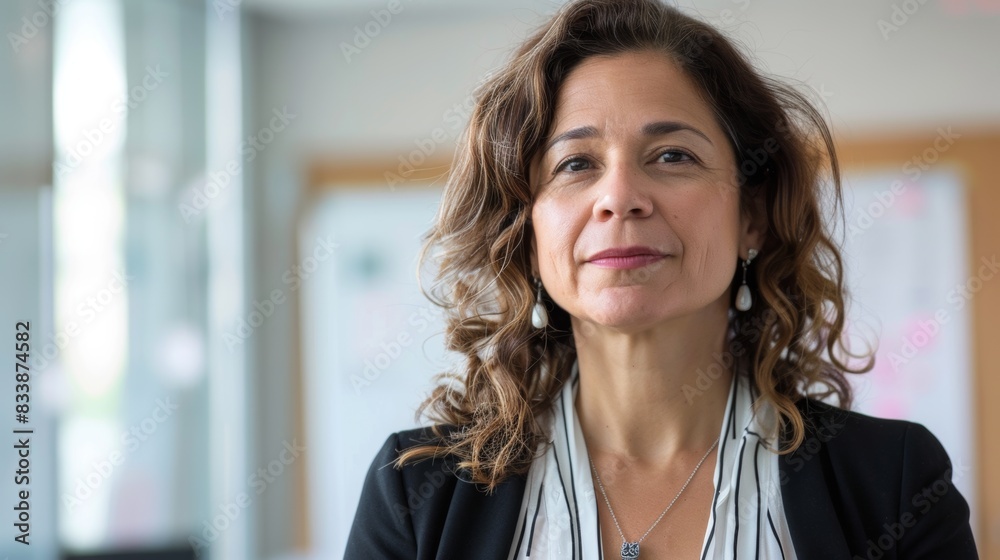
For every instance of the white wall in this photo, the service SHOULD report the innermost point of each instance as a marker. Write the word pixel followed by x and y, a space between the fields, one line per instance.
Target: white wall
pixel 937 69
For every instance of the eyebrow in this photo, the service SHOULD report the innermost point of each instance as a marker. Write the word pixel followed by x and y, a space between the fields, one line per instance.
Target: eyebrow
pixel 658 128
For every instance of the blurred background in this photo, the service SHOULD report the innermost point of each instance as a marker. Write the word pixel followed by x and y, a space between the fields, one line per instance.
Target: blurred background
pixel 210 213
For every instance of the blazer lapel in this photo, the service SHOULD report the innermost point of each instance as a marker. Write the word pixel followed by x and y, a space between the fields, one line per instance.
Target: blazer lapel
pixel 482 526
pixel 805 496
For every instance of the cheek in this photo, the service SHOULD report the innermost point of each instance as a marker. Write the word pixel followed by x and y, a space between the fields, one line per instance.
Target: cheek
pixel 708 209
pixel 555 226
pixel 708 227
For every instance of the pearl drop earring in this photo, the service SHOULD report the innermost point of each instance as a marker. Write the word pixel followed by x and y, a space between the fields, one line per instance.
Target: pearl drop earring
pixel 744 300
pixel 539 317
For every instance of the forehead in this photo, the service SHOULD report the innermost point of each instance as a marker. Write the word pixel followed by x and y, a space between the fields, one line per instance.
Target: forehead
pixel 628 88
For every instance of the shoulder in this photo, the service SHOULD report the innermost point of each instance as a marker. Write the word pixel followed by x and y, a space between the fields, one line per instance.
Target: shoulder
pixel 865 446
pixel 882 474
pixel 419 509
pixel 844 431
pixel 838 427
pixel 820 416
pixel 417 472
pixel 424 435
pixel 396 503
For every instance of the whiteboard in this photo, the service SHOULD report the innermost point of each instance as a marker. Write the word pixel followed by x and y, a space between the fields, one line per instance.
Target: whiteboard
pixel 371 343
pixel 905 260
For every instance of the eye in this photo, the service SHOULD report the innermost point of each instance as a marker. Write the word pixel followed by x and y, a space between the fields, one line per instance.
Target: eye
pixel 572 164
pixel 675 156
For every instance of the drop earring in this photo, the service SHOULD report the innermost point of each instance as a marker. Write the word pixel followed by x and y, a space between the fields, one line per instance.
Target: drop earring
pixel 744 299
pixel 539 317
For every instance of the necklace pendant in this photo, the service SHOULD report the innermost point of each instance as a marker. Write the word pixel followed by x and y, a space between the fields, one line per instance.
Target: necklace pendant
pixel 630 550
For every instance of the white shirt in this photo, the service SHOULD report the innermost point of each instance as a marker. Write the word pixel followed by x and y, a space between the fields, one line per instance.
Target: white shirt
pixel 558 517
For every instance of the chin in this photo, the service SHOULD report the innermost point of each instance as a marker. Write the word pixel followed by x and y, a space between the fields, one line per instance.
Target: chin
pixel 628 320
pixel 641 316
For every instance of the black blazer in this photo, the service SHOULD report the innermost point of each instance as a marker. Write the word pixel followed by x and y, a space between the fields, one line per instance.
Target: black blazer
pixel 859 487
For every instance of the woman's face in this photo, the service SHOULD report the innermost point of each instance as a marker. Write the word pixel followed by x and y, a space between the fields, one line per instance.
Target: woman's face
pixel 635 158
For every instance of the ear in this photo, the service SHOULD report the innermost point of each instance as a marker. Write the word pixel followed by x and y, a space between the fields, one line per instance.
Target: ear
pixel 753 228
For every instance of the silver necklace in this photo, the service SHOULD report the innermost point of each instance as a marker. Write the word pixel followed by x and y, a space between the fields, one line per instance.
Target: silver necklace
pixel 630 550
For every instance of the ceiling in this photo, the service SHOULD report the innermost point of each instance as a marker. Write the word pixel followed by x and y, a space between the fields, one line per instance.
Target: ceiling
pixel 332 8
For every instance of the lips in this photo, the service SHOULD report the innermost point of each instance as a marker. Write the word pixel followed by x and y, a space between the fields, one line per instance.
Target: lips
pixel 633 251
pixel 626 258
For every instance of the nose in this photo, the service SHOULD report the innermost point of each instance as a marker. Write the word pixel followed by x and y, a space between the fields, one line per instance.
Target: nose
pixel 621 193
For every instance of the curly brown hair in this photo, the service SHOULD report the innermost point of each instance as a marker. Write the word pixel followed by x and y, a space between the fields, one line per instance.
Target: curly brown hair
pixel 482 236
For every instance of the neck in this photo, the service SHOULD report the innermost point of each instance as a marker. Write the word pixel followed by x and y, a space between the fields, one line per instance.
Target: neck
pixel 640 397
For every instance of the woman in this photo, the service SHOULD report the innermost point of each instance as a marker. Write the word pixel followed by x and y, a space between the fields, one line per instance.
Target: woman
pixel 636 268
